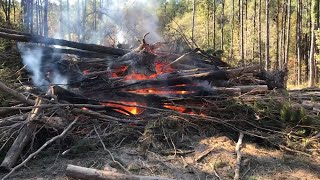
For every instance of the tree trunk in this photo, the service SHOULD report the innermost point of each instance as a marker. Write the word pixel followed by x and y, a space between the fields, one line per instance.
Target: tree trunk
pixel 222 25
pixel 31 16
pixel 246 29
pixel 312 63
pixel 311 58
pixel 288 33
pixel 242 34
pixel 9 12
pixel 267 59
pixel 41 20
pixel 45 18
pixel 232 32
pixel 214 24
pixel 95 15
pixel 84 20
pixel 14 10
pixel 61 20
pixel 299 16
pixel 260 29
pixel 37 17
pixel 68 21
pixel 277 32
pixel 254 29
pixel 208 27
pixel 193 16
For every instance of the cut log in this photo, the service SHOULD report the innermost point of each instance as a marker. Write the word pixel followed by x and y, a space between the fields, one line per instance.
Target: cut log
pixel 253 88
pixel 60 42
pixel 228 91
pixel 79 172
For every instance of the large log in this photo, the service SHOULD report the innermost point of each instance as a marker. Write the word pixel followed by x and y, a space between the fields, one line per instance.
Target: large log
pixel 82 53
pixel 79 172
pixel 60 42
pixel 253 88
pixel 22 139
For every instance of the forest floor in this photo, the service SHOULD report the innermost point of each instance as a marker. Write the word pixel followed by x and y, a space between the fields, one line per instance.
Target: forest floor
pixel 257 162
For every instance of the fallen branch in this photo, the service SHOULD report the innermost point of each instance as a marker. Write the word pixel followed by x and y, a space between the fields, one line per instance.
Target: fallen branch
pixel 179 58
pixel 79 172
pixel 22 139
pixel 15 94
pixel 238 162
pixel 41 148
pixel 205 153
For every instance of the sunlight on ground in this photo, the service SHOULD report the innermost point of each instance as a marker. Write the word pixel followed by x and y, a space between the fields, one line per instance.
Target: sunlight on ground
pixel 302 86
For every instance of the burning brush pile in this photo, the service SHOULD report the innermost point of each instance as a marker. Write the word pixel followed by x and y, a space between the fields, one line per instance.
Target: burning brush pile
pixel 141 94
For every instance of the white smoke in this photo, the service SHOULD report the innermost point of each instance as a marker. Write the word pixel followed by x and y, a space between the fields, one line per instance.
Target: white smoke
pixel 117 21
pixel 43 75
pixel 134 18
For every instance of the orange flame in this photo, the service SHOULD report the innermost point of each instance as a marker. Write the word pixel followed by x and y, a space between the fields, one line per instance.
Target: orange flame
pixel 136 76
pixel 159 91
pixel 130 108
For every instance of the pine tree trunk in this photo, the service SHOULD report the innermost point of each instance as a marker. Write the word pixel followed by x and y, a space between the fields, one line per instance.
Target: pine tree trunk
pixel 277 31
pixel 61 20
pixel 68 21
pixel 259 37
pixel 232 32
pixel 9 12
pixel 254 30
pixel 45 19
pixel 207 26
pixel 311 58
pixel 267 37
pixel 242 34
pixel 214 24
pixel 193 16
pixel 246 30
pixel 84 19
pixel 222 25
pixel 79 20
pixel 299 41
pixel 31 16
pixel 95 15
pixel 37 17
pixel 283 43
pixel 14 10
pixel 288 32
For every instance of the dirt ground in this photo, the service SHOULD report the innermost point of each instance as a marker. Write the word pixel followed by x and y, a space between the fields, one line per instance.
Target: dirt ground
pixel 257 162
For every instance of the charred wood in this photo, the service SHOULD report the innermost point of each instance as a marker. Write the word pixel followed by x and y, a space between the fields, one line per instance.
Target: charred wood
pixel 52 41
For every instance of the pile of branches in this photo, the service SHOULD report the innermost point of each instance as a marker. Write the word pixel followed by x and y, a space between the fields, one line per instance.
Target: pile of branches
pixel 247 100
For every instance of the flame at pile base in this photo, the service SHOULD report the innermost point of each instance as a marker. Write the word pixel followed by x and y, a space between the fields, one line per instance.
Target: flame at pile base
pixel 127 108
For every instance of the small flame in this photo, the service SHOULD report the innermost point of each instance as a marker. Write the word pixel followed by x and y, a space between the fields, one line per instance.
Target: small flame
pixel 159 91
pixel 159 67
pixel 86 72
pixel 176 108
pixel 130 108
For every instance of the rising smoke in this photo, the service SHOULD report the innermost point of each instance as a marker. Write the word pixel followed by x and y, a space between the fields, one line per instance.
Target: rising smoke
pixel 123 21
pixel 44 71
pixel 120 21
